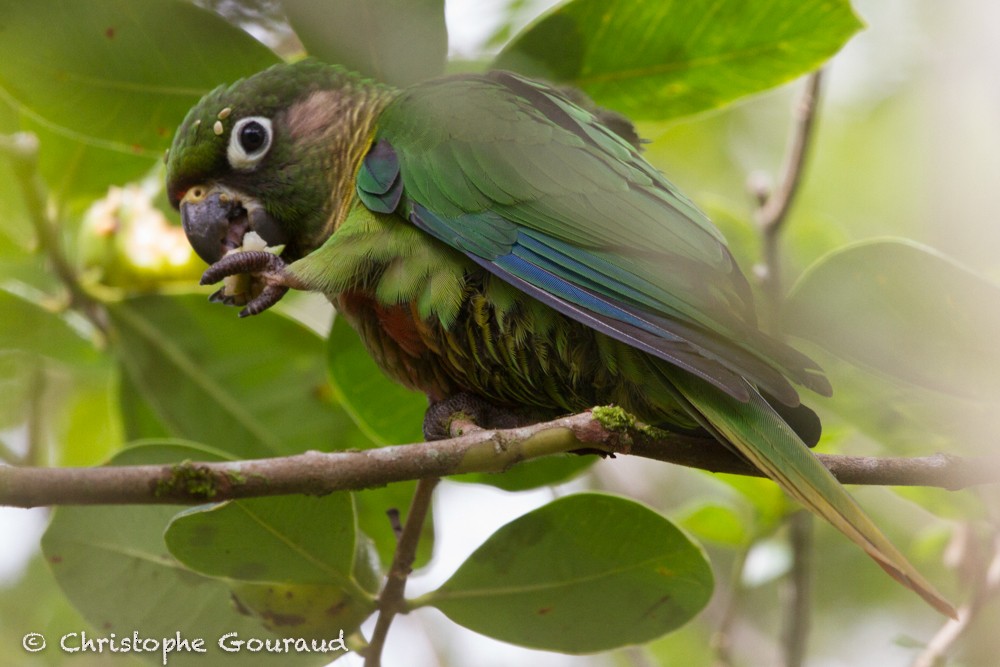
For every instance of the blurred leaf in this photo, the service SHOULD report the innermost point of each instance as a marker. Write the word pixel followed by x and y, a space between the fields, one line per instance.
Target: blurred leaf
pixel 250 387
pixel 394 41
pixel 112 564
pixel 16 234
pixel 908 418
pixel 31 328
pixel 20 377
pixel 386 412
pixel 657 59
pixel 716 523
pixel 585 573
pixel 92 431
pixel 139 420
pixel 768 502
pixel 108 73
pixel 75 170
pixel 289 539
pixel 904 310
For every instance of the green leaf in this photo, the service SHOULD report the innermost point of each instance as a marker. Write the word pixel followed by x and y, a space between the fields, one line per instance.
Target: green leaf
pixel 77 170
pixel 585 573
pixel 250 387
pixel 294 561
pixel 31 328
pixel 717 523
pixel 904 310
pixel 395 41
pixel 290 539
pixel 658 59
pixel 388 413
pixel 117 74
pixel 139 420
pixel 112 564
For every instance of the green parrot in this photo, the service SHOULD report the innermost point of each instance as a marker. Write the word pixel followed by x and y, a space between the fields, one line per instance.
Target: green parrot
pixel 498 245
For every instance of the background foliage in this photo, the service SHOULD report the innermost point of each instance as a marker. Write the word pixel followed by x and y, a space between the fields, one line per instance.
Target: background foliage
pixel 131 366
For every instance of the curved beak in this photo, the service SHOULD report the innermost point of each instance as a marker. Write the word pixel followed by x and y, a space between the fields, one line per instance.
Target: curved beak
pixel 215 220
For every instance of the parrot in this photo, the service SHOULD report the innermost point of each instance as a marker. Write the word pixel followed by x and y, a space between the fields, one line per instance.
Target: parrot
pixel 497 242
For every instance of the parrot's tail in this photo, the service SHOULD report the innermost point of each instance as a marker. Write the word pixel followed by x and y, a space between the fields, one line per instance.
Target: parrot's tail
pixel 757 433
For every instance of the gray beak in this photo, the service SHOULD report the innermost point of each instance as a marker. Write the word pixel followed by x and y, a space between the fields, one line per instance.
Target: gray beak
pixel 215 221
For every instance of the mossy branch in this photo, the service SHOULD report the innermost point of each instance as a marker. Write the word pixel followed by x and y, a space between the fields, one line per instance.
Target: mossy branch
pixel 607 431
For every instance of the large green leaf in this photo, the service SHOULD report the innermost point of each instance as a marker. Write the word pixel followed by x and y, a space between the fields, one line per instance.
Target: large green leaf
pixel 29 327
pixel 74 169
pixel 291 559
pixel 657 59
pixel 905 311
pixel 294 539
pixel 395 41
pixel 112 564
pixel 250 387
pixel 117 73
pixel 585 573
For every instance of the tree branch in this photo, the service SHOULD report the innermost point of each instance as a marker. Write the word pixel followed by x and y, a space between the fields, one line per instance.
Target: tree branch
pixel 392 601
pixel 774 206
pixel 798 591
pixel 479 451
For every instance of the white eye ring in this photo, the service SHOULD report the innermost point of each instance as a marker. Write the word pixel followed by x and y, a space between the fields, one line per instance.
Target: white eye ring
pixel 249 142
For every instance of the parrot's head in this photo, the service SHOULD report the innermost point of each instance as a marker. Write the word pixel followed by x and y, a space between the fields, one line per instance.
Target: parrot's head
pixel 262 155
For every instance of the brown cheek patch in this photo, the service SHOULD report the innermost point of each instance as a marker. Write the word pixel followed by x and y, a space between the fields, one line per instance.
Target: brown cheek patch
pixel 314 115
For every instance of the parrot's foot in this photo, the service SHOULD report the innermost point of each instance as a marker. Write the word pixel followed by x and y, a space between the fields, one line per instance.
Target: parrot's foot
pixel 266 267
pixel 439 416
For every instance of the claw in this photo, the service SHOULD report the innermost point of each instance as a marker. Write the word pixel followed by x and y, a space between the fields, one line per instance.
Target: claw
pixel 268 267
pixel 270 295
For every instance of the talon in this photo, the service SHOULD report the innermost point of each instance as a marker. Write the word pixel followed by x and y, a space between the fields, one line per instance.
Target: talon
pixel 268 297
pixel 266 267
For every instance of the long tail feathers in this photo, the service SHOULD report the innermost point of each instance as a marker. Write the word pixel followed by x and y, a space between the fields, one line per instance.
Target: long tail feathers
pixel 756 431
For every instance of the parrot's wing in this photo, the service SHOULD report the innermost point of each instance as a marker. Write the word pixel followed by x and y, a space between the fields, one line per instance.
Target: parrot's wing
pixel 539 193
pixel 757 432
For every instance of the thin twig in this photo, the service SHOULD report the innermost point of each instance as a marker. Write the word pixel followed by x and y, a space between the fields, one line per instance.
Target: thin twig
pixel 798 590
pixel 318 473
pixel 36 417
pixel 391 600
pixel 21 149
pixel 722 640
pixel 988 587
pixel 773 210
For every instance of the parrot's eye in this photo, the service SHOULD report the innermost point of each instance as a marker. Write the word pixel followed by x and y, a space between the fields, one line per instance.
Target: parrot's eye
pixel 249 142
